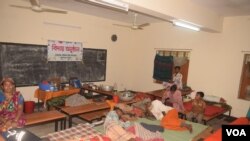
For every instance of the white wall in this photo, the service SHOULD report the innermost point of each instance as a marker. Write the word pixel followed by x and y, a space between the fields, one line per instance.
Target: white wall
pixel 26 26
pixel 216 58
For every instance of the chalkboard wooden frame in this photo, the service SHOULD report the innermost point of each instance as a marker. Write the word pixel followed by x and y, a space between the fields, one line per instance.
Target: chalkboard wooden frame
pixel 27 64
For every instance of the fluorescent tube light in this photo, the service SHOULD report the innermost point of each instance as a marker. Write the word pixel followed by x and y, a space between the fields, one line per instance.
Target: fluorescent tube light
pixel 112 3
pixel 186 25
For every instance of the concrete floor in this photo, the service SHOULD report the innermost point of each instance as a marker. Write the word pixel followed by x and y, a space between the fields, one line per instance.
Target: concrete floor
pixel 44 129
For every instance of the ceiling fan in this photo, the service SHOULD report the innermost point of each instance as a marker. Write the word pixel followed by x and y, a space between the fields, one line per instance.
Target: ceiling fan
pixel 134 26
pixel 36 6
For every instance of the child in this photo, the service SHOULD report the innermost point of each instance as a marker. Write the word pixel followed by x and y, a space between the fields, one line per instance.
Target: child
pixel 177 77
pixel 198 108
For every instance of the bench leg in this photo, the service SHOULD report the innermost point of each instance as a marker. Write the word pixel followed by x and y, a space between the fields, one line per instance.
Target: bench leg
pixel 64 126
pixel 56 125
pixel 70 121
pixel 61 124
pixel 205 122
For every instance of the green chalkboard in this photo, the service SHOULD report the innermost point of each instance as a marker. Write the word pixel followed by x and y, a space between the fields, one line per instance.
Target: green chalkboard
pixel 27 64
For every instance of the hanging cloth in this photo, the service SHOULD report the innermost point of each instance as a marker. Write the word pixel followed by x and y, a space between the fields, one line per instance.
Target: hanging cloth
pixel 163 66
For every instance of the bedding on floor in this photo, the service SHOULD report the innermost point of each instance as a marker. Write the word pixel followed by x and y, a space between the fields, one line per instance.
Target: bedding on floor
pixel 171 135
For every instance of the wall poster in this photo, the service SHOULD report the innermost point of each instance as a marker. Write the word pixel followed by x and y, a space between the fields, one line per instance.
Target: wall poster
pixel 64 51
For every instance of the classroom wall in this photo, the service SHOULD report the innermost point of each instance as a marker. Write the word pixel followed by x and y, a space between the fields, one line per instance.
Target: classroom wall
pixel 216 58
pixel 26 26
pixel 215 63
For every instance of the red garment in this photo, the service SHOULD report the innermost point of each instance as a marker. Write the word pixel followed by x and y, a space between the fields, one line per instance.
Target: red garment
pixel 9 109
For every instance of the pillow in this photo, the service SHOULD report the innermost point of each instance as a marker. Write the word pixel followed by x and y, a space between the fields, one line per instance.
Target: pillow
pixel 211 110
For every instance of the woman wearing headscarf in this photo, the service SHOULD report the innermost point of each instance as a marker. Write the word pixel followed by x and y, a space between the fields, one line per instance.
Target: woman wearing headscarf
pixel 11 106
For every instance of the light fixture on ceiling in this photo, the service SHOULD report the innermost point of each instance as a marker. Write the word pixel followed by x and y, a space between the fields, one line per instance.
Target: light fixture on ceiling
pixel 118 4
pixel 185 24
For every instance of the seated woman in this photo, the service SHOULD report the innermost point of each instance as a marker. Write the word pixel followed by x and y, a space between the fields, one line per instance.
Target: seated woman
pixel 174 97
pixel 11 107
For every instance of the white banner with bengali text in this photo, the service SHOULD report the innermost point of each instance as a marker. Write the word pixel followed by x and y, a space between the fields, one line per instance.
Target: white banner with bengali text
pixel 64 51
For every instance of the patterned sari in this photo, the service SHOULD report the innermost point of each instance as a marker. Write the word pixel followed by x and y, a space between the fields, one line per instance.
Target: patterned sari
pixel 9 109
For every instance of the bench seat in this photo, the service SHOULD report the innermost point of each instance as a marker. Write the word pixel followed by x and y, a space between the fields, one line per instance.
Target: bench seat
pixel 96 115
pixel 47 116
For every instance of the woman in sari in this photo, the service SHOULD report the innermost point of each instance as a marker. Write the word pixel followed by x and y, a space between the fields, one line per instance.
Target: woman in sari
pixel 11 107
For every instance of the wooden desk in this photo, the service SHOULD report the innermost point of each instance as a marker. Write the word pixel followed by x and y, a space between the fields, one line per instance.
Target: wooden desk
pixel 87 108
pixel 46 95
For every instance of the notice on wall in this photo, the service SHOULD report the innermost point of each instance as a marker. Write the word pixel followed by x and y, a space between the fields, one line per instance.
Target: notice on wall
pixel 64 51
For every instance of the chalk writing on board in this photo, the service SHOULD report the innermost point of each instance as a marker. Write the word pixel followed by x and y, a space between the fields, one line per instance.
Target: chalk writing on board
pixel 28 65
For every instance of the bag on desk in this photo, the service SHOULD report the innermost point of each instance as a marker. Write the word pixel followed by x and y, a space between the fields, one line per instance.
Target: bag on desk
pixel 44 86
pixel 74 82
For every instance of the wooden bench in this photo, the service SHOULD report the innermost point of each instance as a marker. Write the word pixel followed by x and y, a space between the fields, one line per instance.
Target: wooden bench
pixel 96 115
pixel 44 117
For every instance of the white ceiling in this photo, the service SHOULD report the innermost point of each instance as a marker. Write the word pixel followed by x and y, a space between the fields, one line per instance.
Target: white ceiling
pixel 226 8
pixel 86 8
pixel 222 7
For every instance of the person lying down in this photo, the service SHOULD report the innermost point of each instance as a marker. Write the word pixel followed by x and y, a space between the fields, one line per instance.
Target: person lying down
pixel 121 126
pixel 118 127
pixel 168 116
